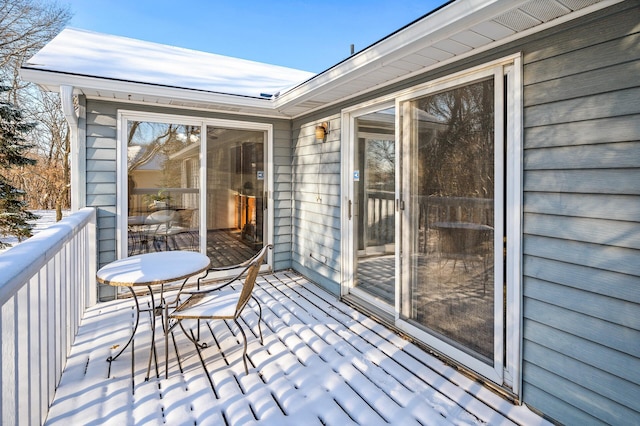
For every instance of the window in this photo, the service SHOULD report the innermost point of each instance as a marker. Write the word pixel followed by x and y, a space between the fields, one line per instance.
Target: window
pixel 162 186
pixel 192 184
pixel 449 275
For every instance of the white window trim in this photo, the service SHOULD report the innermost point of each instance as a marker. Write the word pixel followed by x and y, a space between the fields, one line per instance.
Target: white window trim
pixel 348 142
pixel 514 205
pixel 121 172
pixel 511 375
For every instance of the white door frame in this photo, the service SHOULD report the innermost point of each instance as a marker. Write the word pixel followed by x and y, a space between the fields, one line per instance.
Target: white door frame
pixel 349 143
pixel 510 372
pixel 121 164
pixel 495 371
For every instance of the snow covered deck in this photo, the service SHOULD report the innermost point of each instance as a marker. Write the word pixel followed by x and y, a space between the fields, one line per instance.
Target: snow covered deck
pixel 322 362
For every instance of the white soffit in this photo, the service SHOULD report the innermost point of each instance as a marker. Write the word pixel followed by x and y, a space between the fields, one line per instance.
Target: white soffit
pixel 111 67
pixel 455 31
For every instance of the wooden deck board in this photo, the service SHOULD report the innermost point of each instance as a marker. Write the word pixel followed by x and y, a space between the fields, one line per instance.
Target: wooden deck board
pixel 389 372
pixel 322 362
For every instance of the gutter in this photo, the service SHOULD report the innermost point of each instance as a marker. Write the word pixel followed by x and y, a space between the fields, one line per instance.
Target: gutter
pixel 228 103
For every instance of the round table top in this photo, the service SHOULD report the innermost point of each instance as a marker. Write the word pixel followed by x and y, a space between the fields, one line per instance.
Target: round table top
pixel 153 268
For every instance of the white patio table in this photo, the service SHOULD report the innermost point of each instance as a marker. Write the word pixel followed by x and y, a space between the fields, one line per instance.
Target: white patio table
pixel 151 269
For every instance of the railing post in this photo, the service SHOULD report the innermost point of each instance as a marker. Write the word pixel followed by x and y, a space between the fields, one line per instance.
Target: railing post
pixel 91 290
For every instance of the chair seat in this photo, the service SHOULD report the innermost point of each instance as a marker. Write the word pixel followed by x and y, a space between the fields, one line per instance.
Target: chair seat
pixel 221 302
pixel 177 230
pixel 219 305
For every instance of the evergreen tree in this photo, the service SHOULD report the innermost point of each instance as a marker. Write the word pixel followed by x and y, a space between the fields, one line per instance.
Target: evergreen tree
pixel 13 214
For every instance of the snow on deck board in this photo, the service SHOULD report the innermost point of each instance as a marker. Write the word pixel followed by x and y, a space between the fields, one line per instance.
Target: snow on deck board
pixel 321 362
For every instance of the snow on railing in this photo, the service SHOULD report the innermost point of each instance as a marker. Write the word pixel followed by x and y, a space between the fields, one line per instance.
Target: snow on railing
pixel 46 283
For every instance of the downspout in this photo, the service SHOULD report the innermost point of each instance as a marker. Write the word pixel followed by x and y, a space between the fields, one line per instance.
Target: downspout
pixel 78 168
pixel 66 98
pixel 77 193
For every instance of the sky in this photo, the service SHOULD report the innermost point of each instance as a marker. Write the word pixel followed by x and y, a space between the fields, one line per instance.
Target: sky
pixel 306 35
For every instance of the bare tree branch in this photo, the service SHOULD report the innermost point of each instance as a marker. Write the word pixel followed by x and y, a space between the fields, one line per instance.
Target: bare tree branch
pixel 25 27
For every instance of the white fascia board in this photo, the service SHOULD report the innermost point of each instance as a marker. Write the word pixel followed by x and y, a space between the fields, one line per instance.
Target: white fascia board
pixel 323 84
pixel 440 25
pixel 52 79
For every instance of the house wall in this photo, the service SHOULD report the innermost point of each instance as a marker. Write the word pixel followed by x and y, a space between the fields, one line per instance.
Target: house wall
pixel 100 128
pixel 581 242
pixel 316 233
pixel 101 142
pixel 581 263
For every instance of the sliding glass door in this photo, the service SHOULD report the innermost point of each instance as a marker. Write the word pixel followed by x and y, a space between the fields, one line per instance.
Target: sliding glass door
pixel 234 194
pixel 453 187
pixel 192 185
pixel 427 183
pixel 372 208
pixel 448 289
pixel 163 196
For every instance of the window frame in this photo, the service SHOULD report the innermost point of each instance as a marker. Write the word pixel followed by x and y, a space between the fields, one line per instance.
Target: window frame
pixel 511 85
pixel 124 116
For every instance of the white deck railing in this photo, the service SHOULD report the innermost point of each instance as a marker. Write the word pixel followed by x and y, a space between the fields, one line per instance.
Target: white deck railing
pixel 46 283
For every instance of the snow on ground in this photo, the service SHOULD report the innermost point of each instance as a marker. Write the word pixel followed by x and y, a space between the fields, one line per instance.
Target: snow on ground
pixel 320 362
pixel 47 218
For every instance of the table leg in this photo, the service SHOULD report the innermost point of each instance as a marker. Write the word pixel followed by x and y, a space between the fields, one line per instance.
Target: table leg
pixel 165 321
pixel 133 332
pixel 165 325
pixel 152 352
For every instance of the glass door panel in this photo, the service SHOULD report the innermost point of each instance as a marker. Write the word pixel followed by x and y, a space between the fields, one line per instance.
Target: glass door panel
pixel 374 196
pixel 448 290
pixel 163 166
pixel 234 194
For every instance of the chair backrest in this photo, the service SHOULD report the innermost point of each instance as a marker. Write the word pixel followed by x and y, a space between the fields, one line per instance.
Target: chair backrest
pixel 184 218
pixel 249 282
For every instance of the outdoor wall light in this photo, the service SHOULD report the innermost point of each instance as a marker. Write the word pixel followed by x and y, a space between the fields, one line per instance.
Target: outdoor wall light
pixel 322 131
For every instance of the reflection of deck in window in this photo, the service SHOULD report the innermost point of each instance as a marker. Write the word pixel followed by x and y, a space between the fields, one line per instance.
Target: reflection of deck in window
pixel 163 172
pixel 234 192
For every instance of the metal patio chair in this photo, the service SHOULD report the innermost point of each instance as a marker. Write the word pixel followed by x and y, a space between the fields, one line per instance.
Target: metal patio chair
pixel 219 302
pixel 155 229
pixel 181 226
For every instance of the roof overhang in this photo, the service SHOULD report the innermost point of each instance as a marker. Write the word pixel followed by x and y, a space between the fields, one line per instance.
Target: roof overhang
pixel 453 32
pixel 456 31
pixel 147 93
